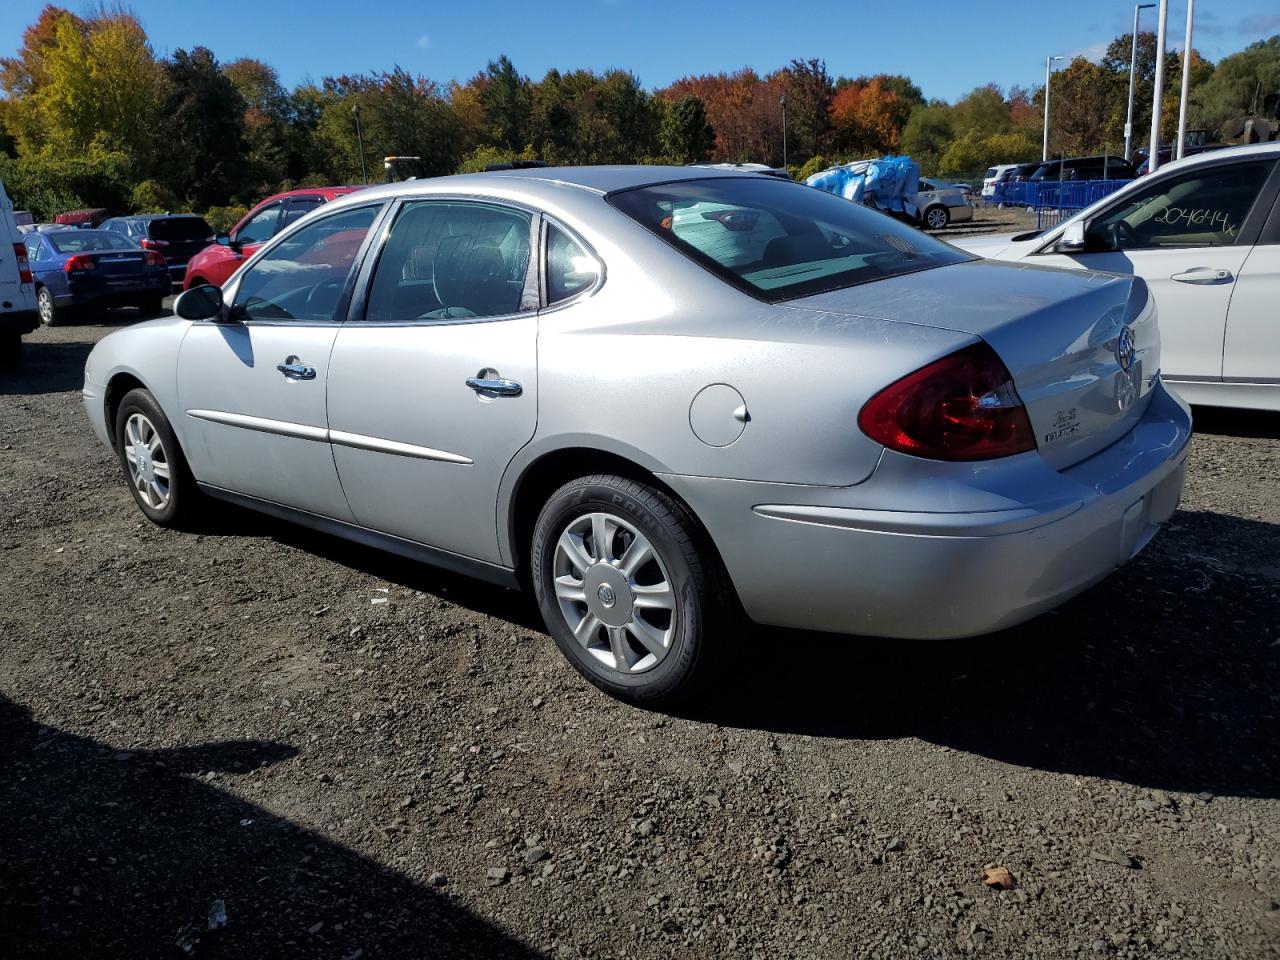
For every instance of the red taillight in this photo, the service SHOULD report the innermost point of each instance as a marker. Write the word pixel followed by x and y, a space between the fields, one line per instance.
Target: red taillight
pixel 155 258
pixel 962 407
pixel 148 244
pixel 24 265
pixel 80 262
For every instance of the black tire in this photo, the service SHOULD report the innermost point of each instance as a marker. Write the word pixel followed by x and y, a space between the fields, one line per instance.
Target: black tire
pixel 934 213
pixel 152 306
pixel 50 313
pixel 183 494
pixel 10 347
pixel 700 610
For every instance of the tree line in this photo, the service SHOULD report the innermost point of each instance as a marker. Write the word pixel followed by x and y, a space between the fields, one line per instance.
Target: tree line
pixel 92 117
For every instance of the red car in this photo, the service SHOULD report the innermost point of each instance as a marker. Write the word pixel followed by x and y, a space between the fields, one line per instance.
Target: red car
pixel 216 262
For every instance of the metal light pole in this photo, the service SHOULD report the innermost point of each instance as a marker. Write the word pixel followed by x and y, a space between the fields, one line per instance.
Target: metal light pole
pixel 1186 82
pixel 1153 160
pixel 364 170
pixel 1048 66
pixel 782 100
pixel 1133 73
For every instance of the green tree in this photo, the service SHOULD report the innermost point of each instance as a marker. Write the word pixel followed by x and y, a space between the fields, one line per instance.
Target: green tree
pixel 203 159
pixel 1243 84
pixel 267 124
pixel 504 94
pixel 809 90
pixel 685 134
pixel 928 134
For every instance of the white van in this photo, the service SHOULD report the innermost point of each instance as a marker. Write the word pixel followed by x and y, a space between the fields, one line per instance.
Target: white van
pixel 17 291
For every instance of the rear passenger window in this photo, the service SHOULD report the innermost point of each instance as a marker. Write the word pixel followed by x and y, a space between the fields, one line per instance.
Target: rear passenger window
pixel 570 269
pixel 446 261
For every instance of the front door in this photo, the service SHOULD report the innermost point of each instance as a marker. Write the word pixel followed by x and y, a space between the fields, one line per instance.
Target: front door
pixel 1252 353
pixel 252 390
pixel 1187 236
pixel 433 386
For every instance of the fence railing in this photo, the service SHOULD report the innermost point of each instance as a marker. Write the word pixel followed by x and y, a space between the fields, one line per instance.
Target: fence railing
pixel 1062 194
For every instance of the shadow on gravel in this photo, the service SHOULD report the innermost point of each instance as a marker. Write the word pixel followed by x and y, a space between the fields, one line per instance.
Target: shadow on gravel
pixel 1263 424
pixel 1165 675
pixel 46 368
pixel 106 854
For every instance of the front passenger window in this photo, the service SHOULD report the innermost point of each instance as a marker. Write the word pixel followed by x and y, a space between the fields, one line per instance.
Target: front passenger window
pixel 1201 208
pixel 447 261
pixel 302 278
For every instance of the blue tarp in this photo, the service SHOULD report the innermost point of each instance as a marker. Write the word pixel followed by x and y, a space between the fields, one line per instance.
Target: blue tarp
pixel 890 183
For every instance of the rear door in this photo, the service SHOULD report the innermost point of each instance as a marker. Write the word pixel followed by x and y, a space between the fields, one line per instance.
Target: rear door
pixel 298 207
pixel 1252 351
pixel 1187 234
pixel 433 381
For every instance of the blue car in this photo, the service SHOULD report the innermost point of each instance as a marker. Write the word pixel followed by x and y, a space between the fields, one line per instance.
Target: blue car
pixel 93 268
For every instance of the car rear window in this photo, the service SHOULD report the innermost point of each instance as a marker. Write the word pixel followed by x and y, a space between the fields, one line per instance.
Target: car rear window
pixel 778 240
pixel 88 241
pixel 181 228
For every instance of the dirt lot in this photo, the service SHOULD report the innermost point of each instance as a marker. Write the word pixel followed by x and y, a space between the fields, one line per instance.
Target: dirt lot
pixel 347 755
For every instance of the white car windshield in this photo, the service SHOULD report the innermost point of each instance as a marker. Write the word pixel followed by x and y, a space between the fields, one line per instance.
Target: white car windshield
pixel 778 240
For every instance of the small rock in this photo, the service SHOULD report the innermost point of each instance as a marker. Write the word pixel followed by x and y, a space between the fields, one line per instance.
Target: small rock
pixel 316 927
pixel 497 876
pixel 407 802
pixel 1118 857
pixel 535 855
pixel 217 915
pixel 645 828
pixel 437 879
pixel 538 702
pixel 897 843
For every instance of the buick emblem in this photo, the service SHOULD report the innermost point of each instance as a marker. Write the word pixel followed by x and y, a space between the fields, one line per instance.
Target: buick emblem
pixel 1126 348
pixel 606 595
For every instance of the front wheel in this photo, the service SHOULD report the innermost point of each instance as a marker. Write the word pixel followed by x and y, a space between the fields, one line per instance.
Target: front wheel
pixel 624 589
pixel 156 471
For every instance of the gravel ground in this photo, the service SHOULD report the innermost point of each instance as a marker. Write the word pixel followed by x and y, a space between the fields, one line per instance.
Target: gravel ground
pixel 254 741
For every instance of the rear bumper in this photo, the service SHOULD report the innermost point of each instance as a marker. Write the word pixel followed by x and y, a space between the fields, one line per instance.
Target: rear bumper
pixel 19 321
pixel 847 561
pixel 105 294
pixel 961 214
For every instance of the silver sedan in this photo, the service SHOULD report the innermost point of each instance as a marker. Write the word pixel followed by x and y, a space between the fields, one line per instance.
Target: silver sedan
pixel 662 397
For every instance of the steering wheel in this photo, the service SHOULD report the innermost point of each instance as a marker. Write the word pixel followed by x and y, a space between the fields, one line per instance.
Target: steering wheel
pixel 325 285
pixel 1123 235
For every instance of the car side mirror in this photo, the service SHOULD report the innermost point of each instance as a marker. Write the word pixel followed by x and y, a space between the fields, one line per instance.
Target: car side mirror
pixel 200 303
pixel 223 239
pixel 1072 239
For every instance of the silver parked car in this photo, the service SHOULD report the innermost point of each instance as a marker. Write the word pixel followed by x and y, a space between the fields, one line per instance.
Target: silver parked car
pixel 938 204
pixel 594 382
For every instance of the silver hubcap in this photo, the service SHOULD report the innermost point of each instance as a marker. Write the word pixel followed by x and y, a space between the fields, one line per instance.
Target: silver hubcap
pixel 147 460
pixel 937 219
pixel 45 303
pixel 614 593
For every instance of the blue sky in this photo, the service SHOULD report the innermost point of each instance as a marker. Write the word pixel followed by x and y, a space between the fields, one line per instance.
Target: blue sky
pixel 948 48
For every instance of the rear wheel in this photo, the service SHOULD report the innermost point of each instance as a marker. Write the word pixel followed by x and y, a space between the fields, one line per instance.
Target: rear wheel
pixel 50 313
pixel 623 588
pixel 935 218
pixel 156 471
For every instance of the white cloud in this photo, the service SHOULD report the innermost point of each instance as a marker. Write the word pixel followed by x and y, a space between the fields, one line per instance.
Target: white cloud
pixel 424 41
pixel 1093 52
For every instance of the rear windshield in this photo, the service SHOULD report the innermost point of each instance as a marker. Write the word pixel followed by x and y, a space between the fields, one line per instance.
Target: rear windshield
pixel 778 240
pixel 88 241
pixel 181 228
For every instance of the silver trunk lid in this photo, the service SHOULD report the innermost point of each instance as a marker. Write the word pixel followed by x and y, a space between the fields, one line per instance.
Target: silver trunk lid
pixel 1083 347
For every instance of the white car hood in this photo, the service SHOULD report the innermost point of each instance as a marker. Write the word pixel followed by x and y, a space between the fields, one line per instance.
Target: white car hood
pixel 987 246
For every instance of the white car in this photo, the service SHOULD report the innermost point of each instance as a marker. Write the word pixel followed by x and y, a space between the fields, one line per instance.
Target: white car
pixel 992 175
pixel 938 204
pixel 17 288
pixel 1204 233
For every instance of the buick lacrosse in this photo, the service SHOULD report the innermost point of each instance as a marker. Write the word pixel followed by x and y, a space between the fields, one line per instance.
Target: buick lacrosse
pixel 661 397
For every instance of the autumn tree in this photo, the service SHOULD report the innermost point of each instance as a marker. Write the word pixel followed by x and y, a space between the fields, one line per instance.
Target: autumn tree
pixel 685 134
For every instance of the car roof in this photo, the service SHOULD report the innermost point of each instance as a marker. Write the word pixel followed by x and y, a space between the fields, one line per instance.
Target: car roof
pixel 160 216
pixel 1208 157
pixel 600 180
pixel 329 193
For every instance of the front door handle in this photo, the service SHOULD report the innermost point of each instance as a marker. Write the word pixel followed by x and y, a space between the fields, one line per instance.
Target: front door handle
pixel 1203 275
pixel 294 369
pixel 487 383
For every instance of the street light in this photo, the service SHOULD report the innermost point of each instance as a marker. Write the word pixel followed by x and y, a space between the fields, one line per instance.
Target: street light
pixel 1133 72
pixel 782 101
pixel 1186 83
pixel 364 171
pixel 1048 66
pixel 1157 95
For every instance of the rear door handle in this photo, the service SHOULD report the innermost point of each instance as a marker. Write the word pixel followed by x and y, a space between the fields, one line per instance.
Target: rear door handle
pixel 1203 275
pixel 294 369
pixel 487 383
